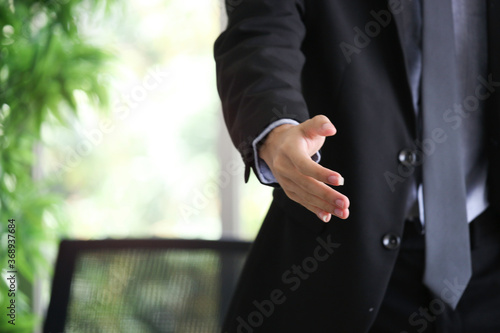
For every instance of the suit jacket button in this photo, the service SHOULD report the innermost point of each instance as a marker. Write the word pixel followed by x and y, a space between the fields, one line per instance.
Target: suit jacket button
pixel 391 241
pixel 408 157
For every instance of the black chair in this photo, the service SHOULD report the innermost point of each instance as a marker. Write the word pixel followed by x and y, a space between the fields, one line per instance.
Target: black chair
pixel 153 285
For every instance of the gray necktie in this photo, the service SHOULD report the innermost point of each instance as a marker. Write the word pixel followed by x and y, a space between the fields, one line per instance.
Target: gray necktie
pixel 447 258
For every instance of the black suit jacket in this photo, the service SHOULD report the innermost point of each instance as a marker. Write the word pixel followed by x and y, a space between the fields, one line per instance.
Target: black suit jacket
pixel 296 59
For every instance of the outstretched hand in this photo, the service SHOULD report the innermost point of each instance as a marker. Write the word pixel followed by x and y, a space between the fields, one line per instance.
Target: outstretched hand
pixel 287 151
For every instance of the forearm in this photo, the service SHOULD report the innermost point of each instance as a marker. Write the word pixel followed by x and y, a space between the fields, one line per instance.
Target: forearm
pixel 259 64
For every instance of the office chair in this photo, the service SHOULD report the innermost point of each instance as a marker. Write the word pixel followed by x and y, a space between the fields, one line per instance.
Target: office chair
pixel 143 285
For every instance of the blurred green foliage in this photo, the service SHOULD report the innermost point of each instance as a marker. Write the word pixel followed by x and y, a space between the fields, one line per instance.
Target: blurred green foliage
pixel 43 62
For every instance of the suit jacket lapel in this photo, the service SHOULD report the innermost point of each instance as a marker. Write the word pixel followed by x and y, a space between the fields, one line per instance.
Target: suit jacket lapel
pixel 405 22
pixel 493 103
pixel 494 66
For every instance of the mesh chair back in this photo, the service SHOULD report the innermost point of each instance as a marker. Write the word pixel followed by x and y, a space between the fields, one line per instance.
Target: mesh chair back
pixel 143 285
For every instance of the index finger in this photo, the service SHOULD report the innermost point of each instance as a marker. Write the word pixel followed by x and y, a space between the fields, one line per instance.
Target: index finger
pixel 308 167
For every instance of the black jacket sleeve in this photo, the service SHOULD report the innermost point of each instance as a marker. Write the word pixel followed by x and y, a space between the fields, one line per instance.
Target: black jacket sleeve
pixel 259 64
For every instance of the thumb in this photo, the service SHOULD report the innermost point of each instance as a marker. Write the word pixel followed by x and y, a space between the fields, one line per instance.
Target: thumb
pixel 318 125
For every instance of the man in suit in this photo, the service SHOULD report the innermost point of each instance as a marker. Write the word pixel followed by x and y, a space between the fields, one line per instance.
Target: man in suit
pixel 293 72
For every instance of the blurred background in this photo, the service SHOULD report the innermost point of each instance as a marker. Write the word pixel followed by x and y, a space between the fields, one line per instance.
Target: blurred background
pixel 110 127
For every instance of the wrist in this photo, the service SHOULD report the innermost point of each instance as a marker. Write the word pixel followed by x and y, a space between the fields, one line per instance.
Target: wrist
pixel 265 149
